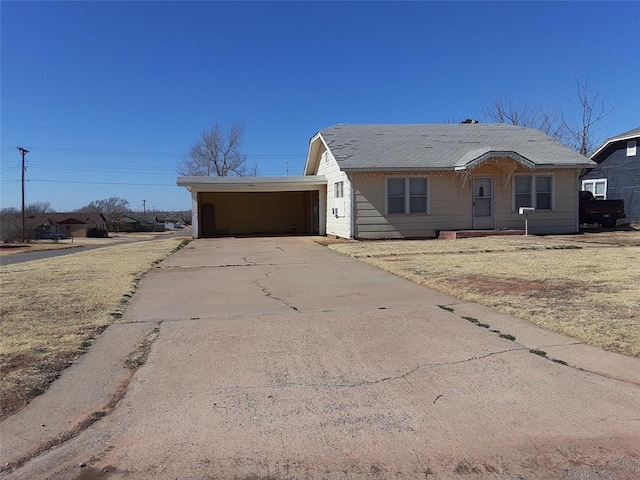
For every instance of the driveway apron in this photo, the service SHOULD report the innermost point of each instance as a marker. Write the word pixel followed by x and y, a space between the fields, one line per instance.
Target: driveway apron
pixel 278 358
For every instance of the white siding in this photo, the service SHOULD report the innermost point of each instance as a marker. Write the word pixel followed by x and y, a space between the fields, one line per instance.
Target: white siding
pixel 451 205
pixel 339 226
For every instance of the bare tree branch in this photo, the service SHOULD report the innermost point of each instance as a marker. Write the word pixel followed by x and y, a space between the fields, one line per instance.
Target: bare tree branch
pixel 579 135
pixel 112 208
pixel 217 153
pixel 526 113
pixel 593 109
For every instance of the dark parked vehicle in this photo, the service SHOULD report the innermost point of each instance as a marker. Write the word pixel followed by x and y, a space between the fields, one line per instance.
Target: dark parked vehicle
pixel 51 236
pixel 604 212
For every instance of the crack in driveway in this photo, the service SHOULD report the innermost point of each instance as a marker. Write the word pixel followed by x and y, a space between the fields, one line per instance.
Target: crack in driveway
pixel 268 294
pixel 370 382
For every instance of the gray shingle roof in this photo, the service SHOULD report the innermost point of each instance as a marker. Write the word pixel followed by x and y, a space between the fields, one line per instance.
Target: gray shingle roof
pixel 390 147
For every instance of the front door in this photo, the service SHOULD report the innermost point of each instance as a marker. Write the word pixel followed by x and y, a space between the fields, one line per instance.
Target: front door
pixel 482 203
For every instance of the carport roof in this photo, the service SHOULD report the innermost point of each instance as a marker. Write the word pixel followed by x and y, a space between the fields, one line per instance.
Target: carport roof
pixel 252 184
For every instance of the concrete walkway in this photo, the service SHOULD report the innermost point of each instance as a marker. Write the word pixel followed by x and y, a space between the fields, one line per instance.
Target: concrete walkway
pixel 278 358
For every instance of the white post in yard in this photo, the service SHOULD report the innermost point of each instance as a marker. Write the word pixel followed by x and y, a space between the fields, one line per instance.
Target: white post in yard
pixel 525 211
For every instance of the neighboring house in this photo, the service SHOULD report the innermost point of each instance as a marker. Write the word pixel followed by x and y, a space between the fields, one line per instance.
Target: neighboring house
pixel 404 181
pixel 128 223
pixel 77 224
pixel 170 222
pixel 74 224
pixel 617 175
pixel 140 223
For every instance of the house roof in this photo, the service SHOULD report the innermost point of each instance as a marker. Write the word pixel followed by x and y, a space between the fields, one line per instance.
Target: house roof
pixel 441 147
pixel 77 217
pixel 630 135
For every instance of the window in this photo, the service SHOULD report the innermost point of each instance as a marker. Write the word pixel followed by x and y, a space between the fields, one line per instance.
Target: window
pixel 631 148
pixel 534 191
pixel 597 187
pixel 543 193
pixel 523 192
pixel 339 189
pixel 417 195
pixel 407 195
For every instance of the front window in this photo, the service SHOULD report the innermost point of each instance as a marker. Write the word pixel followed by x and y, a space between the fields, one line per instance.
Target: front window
pixel 407 195
pixel 523 195
pixel 395 195
pixel 543 193
pixel 535 191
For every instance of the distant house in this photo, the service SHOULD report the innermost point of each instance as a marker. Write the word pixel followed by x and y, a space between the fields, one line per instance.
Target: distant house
pixel 403 181
pixel 140 223
pixel 170 222
pixel 617 175
pixel 74 224
pixel 78 224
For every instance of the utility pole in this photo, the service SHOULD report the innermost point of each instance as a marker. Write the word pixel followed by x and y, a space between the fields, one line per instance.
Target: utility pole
pixel 23 152
pixel 144 207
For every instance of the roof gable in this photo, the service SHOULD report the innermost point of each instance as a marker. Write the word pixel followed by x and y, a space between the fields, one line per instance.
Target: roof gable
pixel 442 147
pixel 623 137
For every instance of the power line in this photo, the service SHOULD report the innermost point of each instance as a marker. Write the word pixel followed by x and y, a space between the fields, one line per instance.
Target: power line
pixel 105 183
pixel 130 153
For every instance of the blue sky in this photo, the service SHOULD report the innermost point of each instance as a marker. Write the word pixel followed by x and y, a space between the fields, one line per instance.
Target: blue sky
pixel 108 96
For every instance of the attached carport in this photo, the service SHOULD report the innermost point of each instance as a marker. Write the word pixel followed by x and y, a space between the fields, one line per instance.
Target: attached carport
pixel 257 205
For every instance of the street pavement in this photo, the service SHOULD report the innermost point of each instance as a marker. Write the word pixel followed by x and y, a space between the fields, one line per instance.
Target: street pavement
pixel 277 358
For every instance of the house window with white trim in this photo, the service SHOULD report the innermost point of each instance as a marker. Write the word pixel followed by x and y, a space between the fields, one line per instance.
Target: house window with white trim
pixel 543 193
pixel 535 191
pixel 339 189
pixel 631 148
pixel 598 187
pixel 407 195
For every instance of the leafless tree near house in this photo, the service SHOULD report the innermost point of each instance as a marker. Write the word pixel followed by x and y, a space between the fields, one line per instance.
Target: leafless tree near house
pixel 11 220
pixel 580 134
pixel 217 153
pixel 593 108
pixel 526 113
pixel 112 208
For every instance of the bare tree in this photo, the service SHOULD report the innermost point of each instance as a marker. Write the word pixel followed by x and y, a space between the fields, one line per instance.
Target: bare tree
pixel 526 113
pixel 593 108
pixel 217 153
pixel 579 135
pixel 112 208
pixel 37 208
pixel 11 220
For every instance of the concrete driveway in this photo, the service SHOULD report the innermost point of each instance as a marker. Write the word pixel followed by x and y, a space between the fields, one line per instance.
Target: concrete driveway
pixel 278 358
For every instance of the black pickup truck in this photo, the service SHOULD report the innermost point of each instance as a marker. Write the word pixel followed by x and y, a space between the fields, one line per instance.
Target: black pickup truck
pixel 604 212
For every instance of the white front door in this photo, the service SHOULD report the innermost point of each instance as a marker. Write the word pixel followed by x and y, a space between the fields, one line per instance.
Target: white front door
pixel 482 203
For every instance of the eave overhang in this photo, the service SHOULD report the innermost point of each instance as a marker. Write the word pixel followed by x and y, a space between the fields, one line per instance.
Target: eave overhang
pixel 610 141
pixel 316 146
pixel 252 184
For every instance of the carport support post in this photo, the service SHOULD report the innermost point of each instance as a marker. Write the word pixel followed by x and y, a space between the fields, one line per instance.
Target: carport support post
pixel 194 214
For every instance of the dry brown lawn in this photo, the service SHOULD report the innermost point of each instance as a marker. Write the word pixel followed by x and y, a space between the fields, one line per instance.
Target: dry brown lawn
pixel 584 287
pixel 113 239
pixel 52 309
